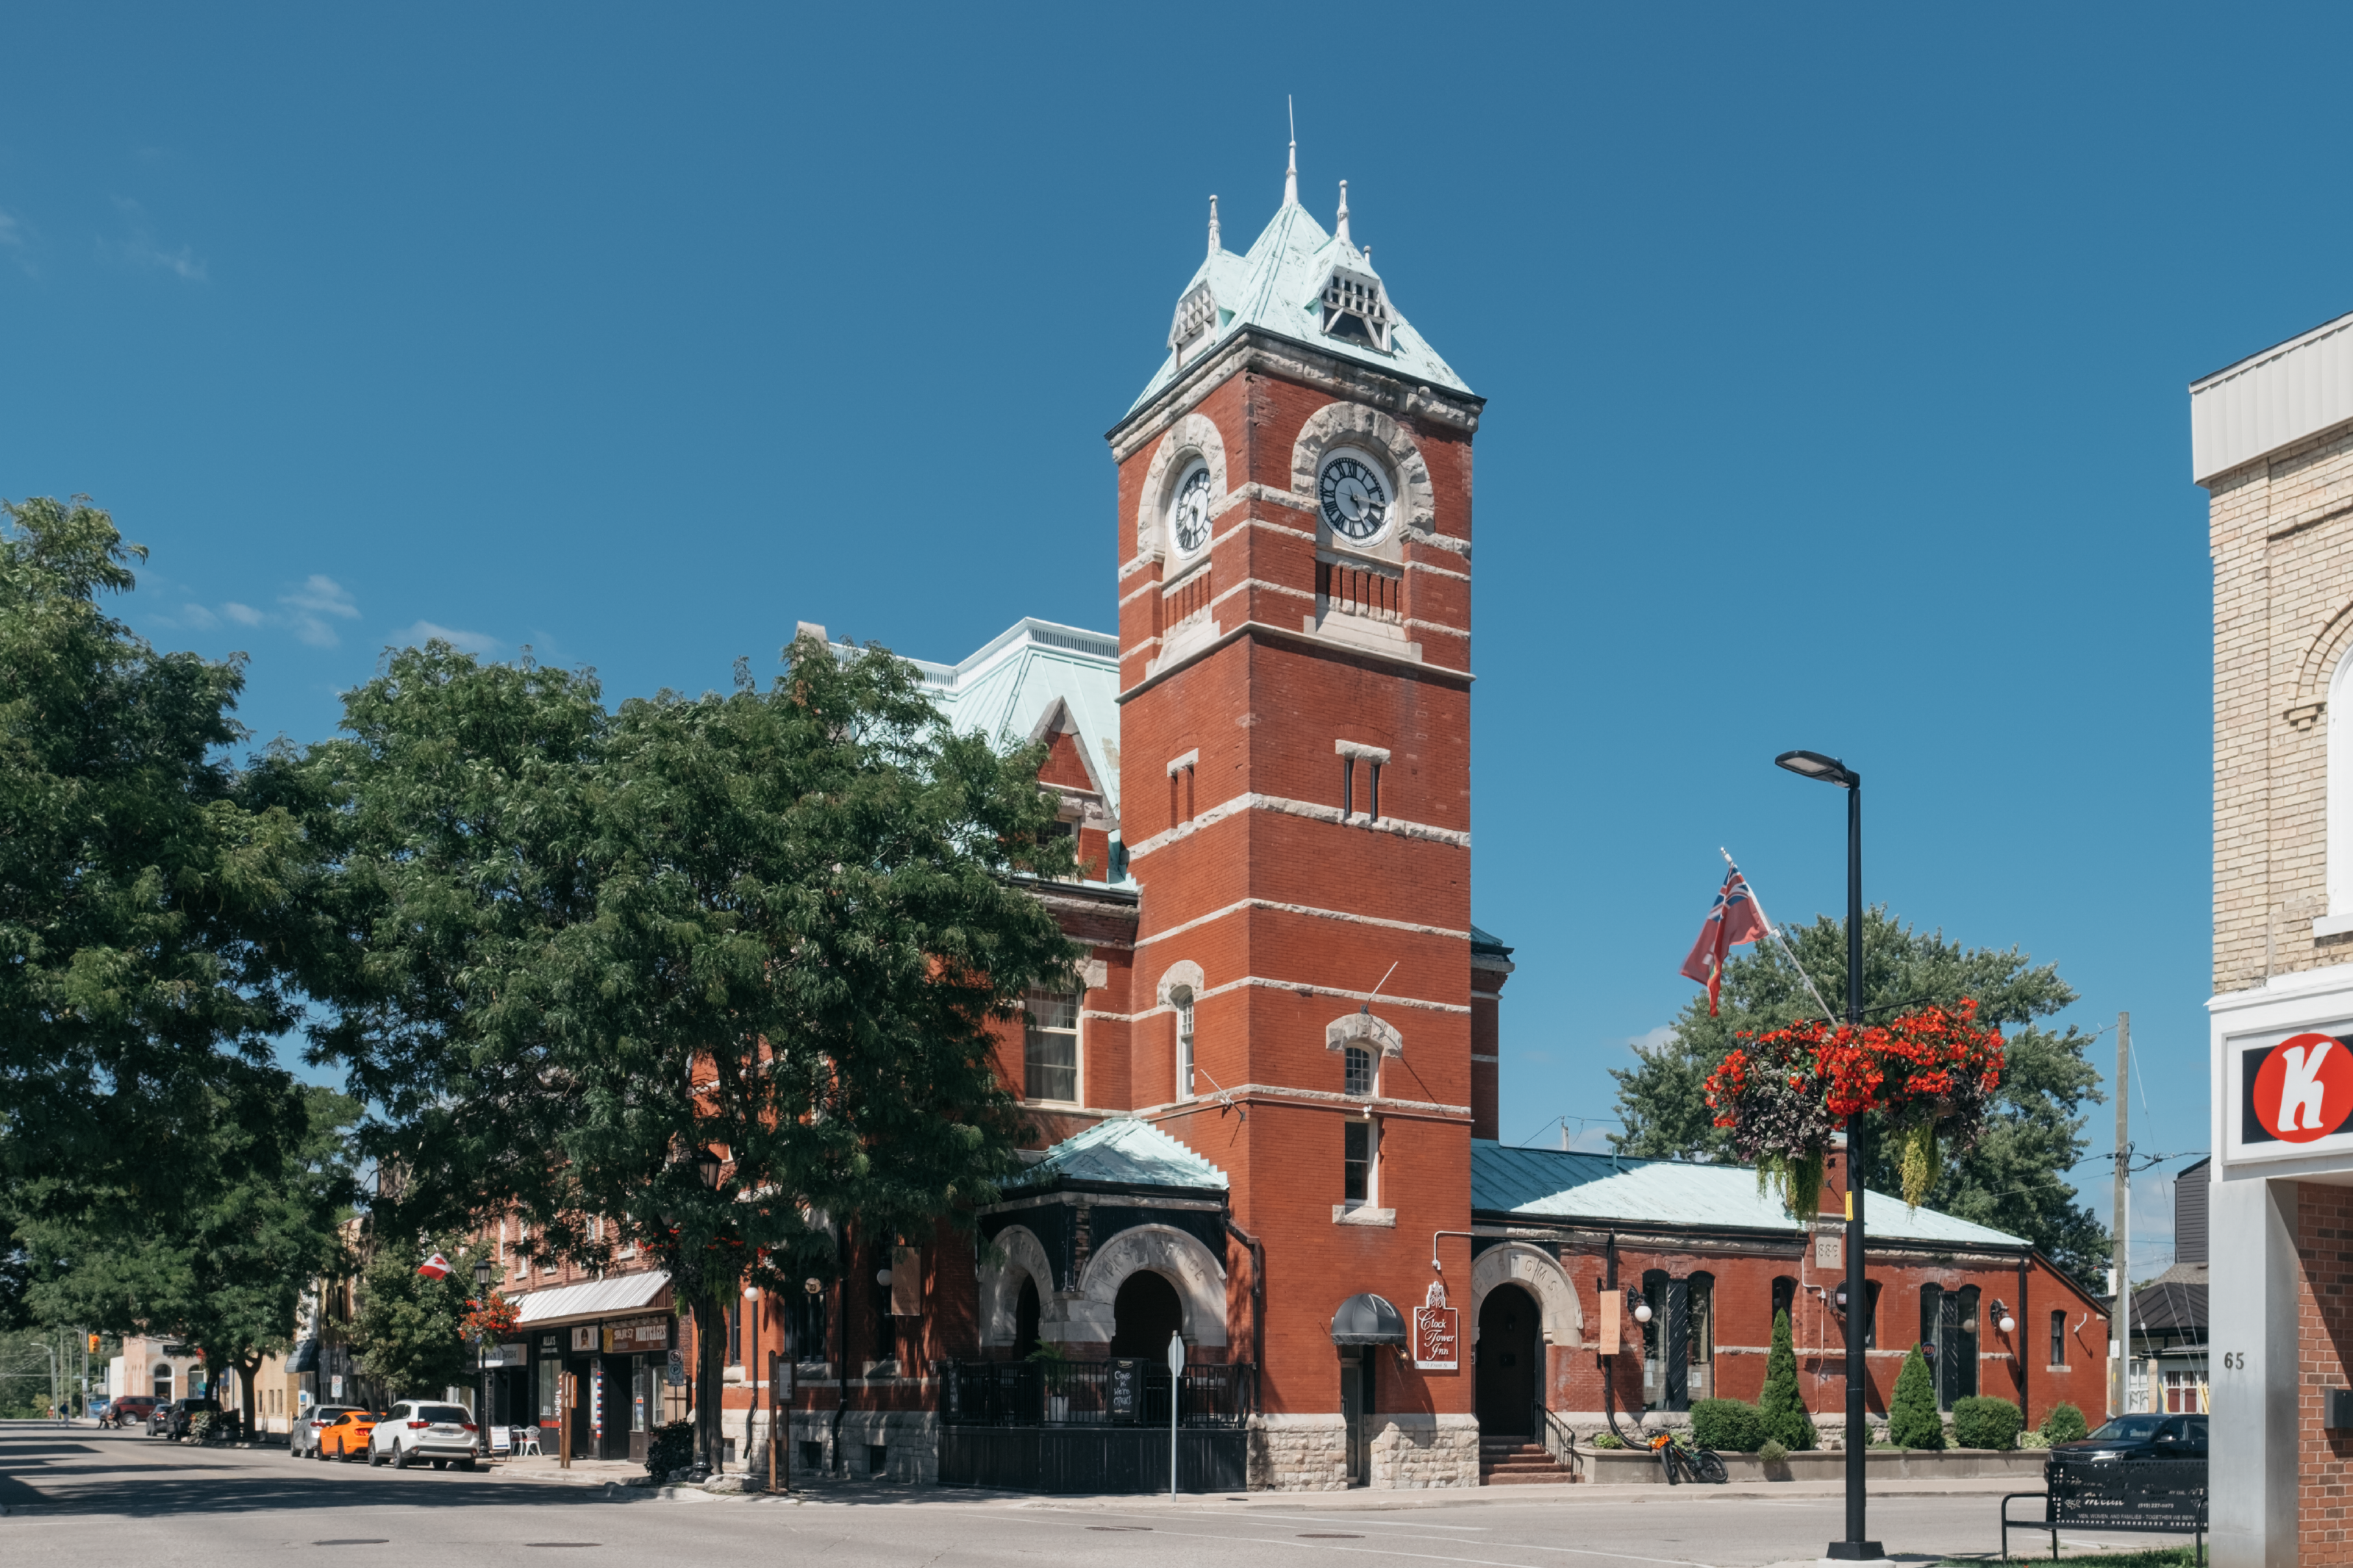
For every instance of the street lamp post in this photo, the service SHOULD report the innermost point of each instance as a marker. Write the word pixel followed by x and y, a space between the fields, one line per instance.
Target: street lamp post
pixel 1856 1547
pixel 481 1361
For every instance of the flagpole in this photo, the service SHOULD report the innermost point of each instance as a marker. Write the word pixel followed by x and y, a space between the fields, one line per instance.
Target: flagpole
pixel 1775 933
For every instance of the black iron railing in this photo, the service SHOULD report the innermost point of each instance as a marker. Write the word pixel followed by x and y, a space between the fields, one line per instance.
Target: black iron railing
pixel 1124 1392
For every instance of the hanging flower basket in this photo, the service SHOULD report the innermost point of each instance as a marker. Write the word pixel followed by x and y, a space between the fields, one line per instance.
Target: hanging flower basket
pixel 490 1319
pixel 1782 1095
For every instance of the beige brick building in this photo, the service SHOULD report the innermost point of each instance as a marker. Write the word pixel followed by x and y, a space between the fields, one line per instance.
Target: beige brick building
pixel 2272 440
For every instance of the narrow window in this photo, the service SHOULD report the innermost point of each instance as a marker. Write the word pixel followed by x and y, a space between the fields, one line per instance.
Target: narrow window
pixel 1376 813
pixel 1700 1353
pixel 1355 1162
pixel 1051 1046
pixel 1871 1315
pixel 2058 1339
pixel 886 1327
pixel 1932 1312
pixel 1785 1298
pixel 735 1333
pixel 1360 1079
pixel 1347 788
pixel 1181 998
pixel 809 1321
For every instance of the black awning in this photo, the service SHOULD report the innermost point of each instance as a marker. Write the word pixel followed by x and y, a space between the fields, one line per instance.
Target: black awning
pixel 305 1357
pixel 1367 1319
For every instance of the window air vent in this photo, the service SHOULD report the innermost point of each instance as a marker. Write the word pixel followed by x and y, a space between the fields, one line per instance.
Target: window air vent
pixel 1354 307
pixel 1197 314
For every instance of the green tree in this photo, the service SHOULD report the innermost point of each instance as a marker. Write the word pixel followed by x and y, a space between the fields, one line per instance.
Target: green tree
pixel 140 891
pixel 224 1268
pixel 408 1328
pixel 1911 1418
pixel 2014 1180
pixel 579 947
pixel 1782 1404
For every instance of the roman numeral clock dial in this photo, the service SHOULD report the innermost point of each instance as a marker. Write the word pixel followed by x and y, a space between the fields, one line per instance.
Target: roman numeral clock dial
pixel 1188 514
pixel 1354 497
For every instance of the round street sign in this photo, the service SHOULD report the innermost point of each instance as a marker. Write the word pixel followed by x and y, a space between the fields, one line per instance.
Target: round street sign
pixel 2304 1089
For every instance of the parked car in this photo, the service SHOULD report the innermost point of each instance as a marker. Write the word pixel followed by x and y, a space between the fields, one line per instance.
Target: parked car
pixel 2140 1436
pixel 345 1438
pixel 128 1410
pixel 421 1429
pixel 159 1416
pixel 303 1440
pixel 179 1415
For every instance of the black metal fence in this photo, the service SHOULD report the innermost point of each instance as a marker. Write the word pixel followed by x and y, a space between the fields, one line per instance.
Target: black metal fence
pixel 1126 1391
pixel 1094 1426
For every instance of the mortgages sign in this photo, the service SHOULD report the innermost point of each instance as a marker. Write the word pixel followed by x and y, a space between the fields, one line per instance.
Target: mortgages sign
pixel 2291 1095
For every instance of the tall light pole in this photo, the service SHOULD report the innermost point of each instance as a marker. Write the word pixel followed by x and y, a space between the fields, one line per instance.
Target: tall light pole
pixel 481 1358
pixel 1856 1547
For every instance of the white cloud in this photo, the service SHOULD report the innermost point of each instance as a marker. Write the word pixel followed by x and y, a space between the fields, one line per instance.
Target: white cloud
pixel 475 643
pixel 198 617
pixel 307 607
pixel 15 242
pixel 1651 1040
pixel 140 249
pixel 243 615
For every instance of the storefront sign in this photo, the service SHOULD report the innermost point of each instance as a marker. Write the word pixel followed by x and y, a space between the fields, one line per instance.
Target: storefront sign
pixel 1610 1318
pixel 2292 1094
pixel 638 1334
pixel 674 1374
pixel 550 1344
pixel 1436 1332
pixel 584 1336
pixel 504 1355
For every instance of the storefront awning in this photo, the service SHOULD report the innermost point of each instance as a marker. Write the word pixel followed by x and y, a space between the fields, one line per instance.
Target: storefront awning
pixel 1367 1319
pixel 304 1359
pixel 591 1299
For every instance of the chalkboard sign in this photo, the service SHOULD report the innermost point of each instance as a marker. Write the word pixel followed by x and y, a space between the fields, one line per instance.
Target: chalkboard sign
pixel 1126 1390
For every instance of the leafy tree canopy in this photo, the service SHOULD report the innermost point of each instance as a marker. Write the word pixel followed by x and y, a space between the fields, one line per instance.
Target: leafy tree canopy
pixel 406 1333
pixel 140 988
pixel 575 946
pixel 2014 1180
pixel 226 1269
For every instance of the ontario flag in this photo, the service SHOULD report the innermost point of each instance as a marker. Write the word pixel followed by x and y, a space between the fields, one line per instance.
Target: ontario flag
pixel 435 1267
pixel 1734 920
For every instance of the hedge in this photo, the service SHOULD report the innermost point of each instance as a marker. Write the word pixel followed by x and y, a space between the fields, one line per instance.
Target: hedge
pixel 1986 1423
pixel 1732 1424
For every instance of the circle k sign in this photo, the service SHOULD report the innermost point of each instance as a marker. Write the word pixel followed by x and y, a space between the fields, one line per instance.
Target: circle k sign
pixel 2298 1090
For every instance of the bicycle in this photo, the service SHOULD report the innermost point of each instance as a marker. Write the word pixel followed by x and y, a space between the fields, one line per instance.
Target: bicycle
pixel 1702 1465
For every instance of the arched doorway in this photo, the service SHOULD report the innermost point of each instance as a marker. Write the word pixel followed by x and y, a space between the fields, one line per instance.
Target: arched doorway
pixel 1024 1320
pixel 1508 1360
pixel 1144 1314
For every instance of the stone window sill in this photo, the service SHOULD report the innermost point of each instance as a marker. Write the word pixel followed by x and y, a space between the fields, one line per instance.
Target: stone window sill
pixel 1363 1213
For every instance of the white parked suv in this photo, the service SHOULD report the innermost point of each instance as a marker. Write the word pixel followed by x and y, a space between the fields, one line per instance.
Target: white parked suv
pixel 422 1429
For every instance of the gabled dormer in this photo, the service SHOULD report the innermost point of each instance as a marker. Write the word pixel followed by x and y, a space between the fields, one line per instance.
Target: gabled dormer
pixel 1355 308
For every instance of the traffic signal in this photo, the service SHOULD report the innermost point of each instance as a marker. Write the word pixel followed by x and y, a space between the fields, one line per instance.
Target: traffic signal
pixel 93 1344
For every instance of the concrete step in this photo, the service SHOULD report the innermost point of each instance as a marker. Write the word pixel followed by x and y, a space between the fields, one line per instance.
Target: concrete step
pixel 1556 1477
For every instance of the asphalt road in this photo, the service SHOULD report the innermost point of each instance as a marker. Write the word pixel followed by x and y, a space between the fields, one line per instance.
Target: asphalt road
pixel 71 1494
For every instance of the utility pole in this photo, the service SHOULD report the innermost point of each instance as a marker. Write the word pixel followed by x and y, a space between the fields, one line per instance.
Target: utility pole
pixel 2120 1314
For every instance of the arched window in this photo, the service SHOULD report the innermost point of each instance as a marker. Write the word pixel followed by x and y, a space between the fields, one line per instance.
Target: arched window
pixel 1701 1352
pixel 1181 999
pixel 1785 1300
pixel 1358 1079
pixel 2340 800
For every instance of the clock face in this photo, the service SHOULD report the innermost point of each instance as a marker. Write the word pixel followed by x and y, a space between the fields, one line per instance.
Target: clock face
pixel 1188 515
pixel 1356 498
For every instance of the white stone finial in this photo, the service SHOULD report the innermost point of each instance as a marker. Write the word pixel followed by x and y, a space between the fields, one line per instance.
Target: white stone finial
pixel 1291 174
pixel 1214 247
pixel 1341 231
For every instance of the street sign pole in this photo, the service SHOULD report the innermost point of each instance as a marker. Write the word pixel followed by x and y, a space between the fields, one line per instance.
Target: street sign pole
pixel 1175 1382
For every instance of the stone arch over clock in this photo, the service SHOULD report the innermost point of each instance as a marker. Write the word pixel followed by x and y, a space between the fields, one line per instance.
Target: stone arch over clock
pixel 1368 452
pixel 1188 464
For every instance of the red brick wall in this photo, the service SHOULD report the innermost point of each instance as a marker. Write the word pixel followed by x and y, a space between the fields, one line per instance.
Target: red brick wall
pixel 1744 1330
pixel 2324 1313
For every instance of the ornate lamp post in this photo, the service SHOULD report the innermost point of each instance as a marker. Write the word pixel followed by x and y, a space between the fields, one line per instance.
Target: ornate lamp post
pixel 1856 1547
pixel 482 1368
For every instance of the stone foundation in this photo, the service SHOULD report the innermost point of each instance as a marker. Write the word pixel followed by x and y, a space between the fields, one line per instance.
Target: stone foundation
pixel 1416 1451
pixel 1299 1454
pixel 910 1441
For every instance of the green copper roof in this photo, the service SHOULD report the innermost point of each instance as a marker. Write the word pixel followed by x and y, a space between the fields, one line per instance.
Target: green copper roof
pixel 1279 285
pixel 1125 1152
pixel 1596 1189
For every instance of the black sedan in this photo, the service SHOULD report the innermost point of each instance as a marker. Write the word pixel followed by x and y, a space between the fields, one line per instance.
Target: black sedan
pixel 2141 1437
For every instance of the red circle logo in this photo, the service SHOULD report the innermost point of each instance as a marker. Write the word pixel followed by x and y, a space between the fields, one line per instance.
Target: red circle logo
pixel 2304 1088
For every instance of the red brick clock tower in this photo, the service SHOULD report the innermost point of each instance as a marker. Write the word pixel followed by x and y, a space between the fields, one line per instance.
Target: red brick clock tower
pixel 1295 589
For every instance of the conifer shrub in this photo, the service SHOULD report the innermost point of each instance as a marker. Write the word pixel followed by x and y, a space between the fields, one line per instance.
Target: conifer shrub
pixel 2065 1424
pixel 1782 1406
pixel 671 1449
pixel 1986 1423
pixel 1732 1424
pixel 1911 1418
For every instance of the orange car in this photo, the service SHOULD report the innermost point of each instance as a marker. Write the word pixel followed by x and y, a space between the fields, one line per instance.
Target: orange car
pixel 346 1437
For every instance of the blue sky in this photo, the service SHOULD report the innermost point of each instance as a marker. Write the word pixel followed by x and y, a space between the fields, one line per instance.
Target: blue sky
pixel 1836 355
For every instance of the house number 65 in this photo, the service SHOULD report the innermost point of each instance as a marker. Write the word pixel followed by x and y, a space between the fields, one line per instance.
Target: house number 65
pixel 2235 1361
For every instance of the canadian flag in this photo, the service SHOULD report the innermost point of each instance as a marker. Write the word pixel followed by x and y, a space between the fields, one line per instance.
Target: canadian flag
pixel 435 1267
